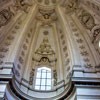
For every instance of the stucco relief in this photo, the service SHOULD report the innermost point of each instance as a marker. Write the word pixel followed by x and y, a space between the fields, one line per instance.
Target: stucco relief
pixel 70 6
pixel 46 17
pixel 86 18
pixel 55 77
pixel 84 52
pixel 95 33
pixel 31 78
pixel 5 17
pixel 44 55
pixel 23 51
pixel 89 22
pixel 20 5
pixel 93 6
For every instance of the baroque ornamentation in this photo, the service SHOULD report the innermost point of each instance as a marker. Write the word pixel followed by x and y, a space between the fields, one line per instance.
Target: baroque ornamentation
pixel 80 41
pixel 23 5
pixel 23 50
pixel 21 60
pixel 31 77
pixel 46 17
pixel 71 5
pixel 95 33
pixel 93 6
pixel 44 55
pixel 86 19
pixel 55 77
pixel 5 17
pixel 45 48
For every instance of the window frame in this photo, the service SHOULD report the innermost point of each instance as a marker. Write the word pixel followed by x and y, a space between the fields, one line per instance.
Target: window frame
pixel 35 78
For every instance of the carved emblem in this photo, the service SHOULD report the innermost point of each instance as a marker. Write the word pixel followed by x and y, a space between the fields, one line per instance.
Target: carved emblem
pixel 46 16
pixel 86 19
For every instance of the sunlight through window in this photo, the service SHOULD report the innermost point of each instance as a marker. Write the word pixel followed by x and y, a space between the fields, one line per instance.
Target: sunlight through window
pixel 43 79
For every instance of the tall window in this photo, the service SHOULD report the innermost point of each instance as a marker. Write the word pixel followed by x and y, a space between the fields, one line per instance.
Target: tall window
pixel 43 79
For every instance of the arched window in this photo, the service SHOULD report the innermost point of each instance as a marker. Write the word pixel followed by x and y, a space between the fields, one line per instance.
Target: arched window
pixel 43 79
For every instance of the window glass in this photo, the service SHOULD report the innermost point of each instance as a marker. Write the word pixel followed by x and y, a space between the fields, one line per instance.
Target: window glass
pixel 48 88
pixel 38 75
pixel 49 82
pixel 37 81
pixel 43 79
pixel 43 75
pixel 48 75
pixel 37 87
pixel 43 88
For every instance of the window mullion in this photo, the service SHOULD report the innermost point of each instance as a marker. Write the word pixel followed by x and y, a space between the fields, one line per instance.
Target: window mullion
pixel 46 81
pixel 40 79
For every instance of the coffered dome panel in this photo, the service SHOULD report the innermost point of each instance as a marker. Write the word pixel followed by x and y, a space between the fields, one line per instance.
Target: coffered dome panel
pixel 43 41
